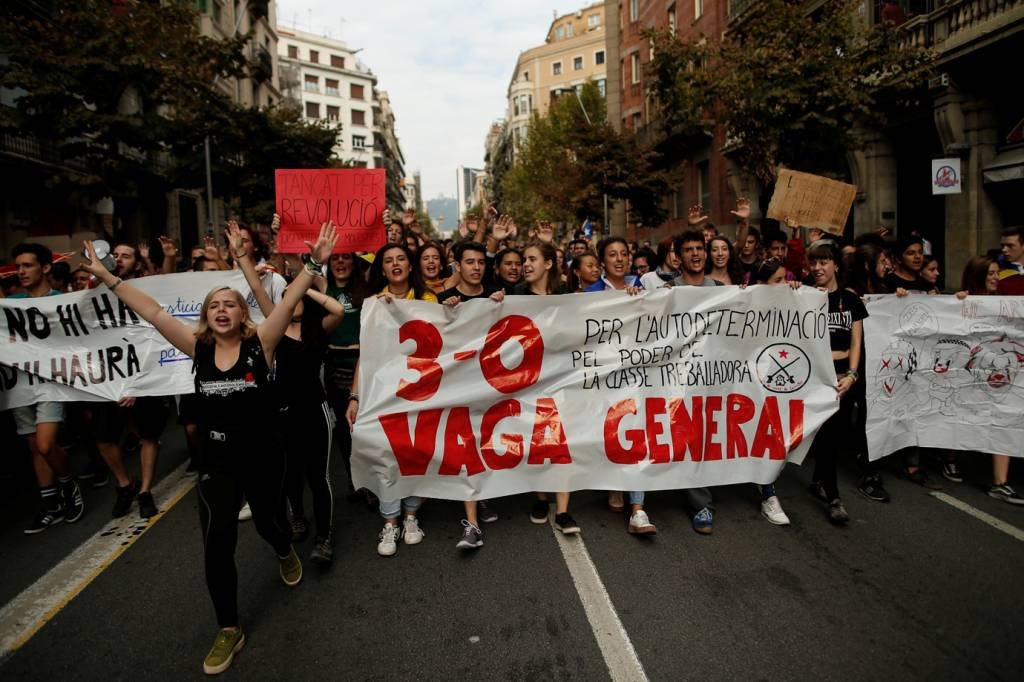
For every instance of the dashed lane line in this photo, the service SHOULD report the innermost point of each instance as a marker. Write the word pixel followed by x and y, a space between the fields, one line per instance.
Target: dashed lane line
pixel 612 638
pixel 998 524
pixel 23 616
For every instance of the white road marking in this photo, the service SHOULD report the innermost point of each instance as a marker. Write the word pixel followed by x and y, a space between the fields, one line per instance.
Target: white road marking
pixel 24 615
pixel 998 524
pixel 612 638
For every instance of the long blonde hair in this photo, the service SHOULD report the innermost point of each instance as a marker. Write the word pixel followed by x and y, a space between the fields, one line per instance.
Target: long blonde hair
pixel 203 332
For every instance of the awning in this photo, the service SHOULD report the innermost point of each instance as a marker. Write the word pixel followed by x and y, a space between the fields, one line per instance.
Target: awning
pixel 1008 165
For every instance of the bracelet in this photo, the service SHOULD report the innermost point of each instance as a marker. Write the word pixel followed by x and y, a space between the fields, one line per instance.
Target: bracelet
pixel 115 284
pixel 354 396
pixel 852 373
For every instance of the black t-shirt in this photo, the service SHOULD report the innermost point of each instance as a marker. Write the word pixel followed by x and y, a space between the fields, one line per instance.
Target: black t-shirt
pixel 488 289
pixel 235 402
pixel 297 373
pixel 523 289
pixel 894 281
pixel 844 308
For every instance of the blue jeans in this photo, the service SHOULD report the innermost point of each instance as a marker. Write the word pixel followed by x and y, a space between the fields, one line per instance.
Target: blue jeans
pixel 393 509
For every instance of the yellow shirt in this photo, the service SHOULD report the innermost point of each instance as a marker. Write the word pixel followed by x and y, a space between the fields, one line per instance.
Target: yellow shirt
pixel 411 296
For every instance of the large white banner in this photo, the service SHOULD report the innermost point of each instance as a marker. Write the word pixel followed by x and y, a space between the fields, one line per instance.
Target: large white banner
pixel 945 373
pixel 671 389
pixel 87 345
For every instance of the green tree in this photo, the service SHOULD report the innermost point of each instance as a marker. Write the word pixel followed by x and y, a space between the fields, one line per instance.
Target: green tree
pixel 109 86
pixel 573 157
pixel 789 87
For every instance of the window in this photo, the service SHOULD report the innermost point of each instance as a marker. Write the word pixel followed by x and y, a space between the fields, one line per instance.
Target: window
pixel 356 91
pixel 314 56
pixel 634 68
pixel 337 61
pixel 678 205
pixel 358 117
pixel 601 87
pixel 527 103
pixel 311 84
pixel 568 31
pixel 577 63
pixel 556 69
pixel 559 33
pixel 704 185
pixel 331 87
pixel 672 20
pixel 312 110
pixel 515 106
pixel 599 57
pixel 293 51
pixel 526 75
pixel 593 21
pixel 638 120
pixel 634 10
pixel 215 10
pixel 333 112
pixel 698 8
pixel 359 142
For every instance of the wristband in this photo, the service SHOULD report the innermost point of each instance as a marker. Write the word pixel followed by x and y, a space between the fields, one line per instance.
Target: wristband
pixel 354 396
pixel 115 284
pixel 852 373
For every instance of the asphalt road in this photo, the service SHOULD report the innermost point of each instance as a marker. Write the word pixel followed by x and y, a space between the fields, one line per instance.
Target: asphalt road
pixel 914 590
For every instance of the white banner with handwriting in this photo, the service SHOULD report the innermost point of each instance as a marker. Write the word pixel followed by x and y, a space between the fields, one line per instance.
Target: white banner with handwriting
pixel 87 345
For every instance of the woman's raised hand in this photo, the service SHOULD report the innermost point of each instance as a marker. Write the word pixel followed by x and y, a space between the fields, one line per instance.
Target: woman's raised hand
pixel 93 265
pixel 321 250
pixel 235 240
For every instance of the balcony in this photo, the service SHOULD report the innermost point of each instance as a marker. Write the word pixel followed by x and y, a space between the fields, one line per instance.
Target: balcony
pixel 951 26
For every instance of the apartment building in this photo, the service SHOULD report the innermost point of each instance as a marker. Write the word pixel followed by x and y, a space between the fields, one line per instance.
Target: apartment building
pixel 324 77
pixel 573 52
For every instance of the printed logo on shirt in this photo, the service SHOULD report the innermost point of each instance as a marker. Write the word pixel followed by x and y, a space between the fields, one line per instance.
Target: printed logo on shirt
pixel 840 320
pixel 222 387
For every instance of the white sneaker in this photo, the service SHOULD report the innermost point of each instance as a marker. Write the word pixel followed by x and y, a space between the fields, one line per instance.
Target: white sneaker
pixel 244 514
pixel 639 524
pixel 388 537
pixel 771 509
pixel 411 531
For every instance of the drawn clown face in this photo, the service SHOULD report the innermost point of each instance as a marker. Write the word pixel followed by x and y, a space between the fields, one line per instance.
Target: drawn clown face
pixel 997 363
pixel 897 364
pixel 950 354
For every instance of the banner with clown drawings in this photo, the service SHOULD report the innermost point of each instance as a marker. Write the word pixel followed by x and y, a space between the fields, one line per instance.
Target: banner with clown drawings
pixel 945 373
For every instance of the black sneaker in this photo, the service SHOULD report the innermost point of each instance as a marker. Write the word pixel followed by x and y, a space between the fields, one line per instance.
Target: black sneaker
pixel 921 478
pixel 472 537
pixel 147 507
pixel 951 472
pixel 872 489
pixel 123 501
pixel 818 491
pixel 1000 492
pixel 567 524
pixel 485 513
pixel 101 479
pixel 44 519
pixel 300 529
pixel 539 512
pixel 323 552
pixel 71 499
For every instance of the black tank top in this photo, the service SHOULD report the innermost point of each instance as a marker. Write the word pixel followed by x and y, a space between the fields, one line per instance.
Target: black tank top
pixel 297 373
pixel 238 401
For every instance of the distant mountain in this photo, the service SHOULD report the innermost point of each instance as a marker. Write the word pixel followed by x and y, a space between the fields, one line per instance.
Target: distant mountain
pixel 444 207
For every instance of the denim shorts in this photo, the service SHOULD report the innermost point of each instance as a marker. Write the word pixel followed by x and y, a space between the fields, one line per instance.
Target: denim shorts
pixel 46 412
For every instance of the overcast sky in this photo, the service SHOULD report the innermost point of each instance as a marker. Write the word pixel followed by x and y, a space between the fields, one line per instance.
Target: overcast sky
pixel 445 64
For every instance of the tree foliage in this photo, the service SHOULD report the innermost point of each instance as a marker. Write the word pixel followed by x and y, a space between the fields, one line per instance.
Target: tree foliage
pixel 573 157
pixel 789 87
pixel 125 91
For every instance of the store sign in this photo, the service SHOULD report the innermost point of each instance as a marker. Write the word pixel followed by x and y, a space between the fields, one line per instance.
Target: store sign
pixel 946 178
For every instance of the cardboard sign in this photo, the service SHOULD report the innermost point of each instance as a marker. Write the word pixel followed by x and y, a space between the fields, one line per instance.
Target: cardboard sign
pixel 811 200
pixel 352 197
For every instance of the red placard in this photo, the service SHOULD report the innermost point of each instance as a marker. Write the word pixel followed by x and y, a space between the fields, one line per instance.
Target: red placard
pixel 352 197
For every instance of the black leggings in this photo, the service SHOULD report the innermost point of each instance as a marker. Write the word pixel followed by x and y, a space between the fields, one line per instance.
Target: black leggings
pixel 308 444
pixel 832 437
pixel 339 370
pixel 256 471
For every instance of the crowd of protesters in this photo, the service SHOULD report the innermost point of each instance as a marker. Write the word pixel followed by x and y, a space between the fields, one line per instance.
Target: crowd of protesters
pixel 298 368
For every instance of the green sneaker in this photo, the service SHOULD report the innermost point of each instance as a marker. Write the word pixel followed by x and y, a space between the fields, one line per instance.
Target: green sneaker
pixel 291 568
pixel 227 644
